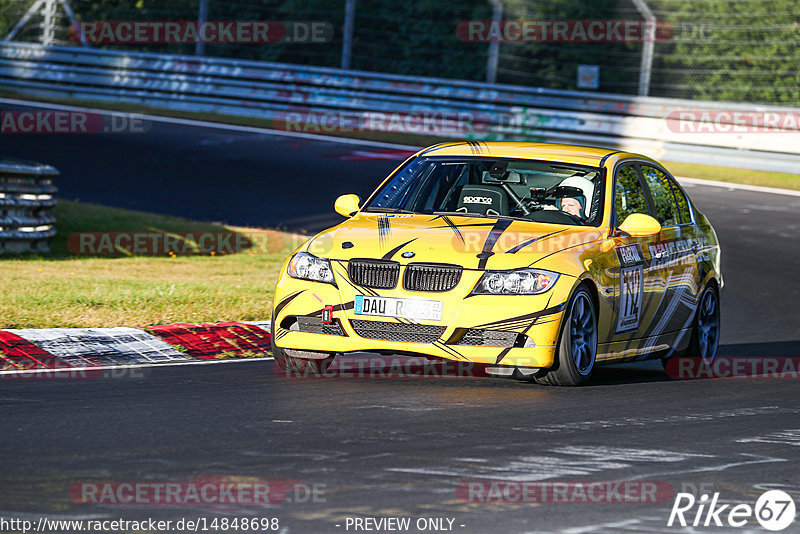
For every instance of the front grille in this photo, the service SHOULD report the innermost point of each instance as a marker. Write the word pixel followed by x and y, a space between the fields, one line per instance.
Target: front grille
pixel 488 338
pixel 431 276
pixel 314 325
pixel 407 333
pixel 374 273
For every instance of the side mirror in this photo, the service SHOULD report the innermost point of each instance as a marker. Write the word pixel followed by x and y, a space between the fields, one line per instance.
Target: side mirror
pixel 640 225
pixel 347 205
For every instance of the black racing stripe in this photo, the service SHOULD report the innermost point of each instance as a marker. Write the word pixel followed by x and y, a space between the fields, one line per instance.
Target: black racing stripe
pixel 438 146
pixel 536 320
pixel 395 250
pixel 282 304
pixel 451 351
pixel 491 239
pixel 384 228
pixel 369 291
pixel 455 229
pixel 603 161
pixel 532 241
pixel 511 325
pixel 477 147
pixel 533 315
pixel 466 225
pixel 502 354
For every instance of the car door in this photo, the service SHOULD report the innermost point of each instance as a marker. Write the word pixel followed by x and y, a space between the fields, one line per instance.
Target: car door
pixel 639 288
pixel 674 253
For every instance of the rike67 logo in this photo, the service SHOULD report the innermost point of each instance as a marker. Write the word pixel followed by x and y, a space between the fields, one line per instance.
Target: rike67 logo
pixel 774 510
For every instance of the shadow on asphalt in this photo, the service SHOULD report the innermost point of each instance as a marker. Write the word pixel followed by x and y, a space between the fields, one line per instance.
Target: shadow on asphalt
pixel 652 371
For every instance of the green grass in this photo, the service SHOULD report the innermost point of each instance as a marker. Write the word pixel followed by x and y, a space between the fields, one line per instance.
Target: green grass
pixel 703 172
pixel 739 176
pixel 61 289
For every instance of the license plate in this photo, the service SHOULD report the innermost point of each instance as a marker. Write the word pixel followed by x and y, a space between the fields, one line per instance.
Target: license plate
pixel 426 310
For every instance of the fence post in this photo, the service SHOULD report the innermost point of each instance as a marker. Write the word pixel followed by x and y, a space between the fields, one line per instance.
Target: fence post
pixel 647 49
pixel 202 16
pixel 49 23
pixel 494 45
pixel 347 37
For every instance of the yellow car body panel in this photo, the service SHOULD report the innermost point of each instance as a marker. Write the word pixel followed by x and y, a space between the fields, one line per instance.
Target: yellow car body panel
pixel 590 255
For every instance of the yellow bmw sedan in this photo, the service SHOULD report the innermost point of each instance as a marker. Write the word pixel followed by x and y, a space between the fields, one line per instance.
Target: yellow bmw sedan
pixel 539 261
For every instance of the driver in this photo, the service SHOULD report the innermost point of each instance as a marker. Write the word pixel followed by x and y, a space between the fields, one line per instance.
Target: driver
pixel 569 205
pixel 572 206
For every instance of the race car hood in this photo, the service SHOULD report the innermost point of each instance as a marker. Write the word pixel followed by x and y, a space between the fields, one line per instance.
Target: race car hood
pixel 472 242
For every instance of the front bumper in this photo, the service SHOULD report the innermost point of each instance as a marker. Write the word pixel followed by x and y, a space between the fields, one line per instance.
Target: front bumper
pixel 518 330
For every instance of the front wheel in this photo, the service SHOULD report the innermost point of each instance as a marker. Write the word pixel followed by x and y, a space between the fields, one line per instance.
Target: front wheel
pixel 577 347
pixel 298 366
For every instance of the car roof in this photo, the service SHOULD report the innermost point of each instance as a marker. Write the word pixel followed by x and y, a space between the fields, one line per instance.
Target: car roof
pixel 576 154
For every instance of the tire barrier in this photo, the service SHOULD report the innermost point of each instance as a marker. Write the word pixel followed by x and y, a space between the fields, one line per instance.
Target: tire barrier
pixel 27 199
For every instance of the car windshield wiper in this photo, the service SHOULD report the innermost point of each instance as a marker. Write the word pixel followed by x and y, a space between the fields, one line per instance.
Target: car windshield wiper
pixel 473 214
pixel 379 209
pixel 461 213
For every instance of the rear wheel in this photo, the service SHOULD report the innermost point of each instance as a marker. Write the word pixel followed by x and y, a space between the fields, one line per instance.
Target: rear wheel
pixel 577 347
pixel 705 333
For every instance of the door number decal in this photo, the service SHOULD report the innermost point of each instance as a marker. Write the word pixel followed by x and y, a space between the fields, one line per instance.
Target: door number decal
pixel 630 299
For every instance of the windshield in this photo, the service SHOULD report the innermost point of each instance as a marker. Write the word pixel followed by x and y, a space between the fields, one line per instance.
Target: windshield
pixel 490 187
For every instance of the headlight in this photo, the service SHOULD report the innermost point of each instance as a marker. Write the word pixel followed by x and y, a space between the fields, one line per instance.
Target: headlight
pixel 518 282
pixel 304 266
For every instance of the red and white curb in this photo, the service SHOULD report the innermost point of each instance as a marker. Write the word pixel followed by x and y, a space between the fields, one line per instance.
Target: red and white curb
pixel 64 349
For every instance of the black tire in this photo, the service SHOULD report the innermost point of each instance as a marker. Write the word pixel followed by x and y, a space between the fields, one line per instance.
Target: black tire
pixel 298 366
pixel 577 345
pixel 706 326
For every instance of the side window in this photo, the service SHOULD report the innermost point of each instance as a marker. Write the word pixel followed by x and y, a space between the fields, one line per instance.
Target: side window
pixel 683 203
pixel 663 199
pixel 629 195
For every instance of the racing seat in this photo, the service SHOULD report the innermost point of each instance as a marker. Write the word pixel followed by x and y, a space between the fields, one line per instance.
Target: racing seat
pixel 483 199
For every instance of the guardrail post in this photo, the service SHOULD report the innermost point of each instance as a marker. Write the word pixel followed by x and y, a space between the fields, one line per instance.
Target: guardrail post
pixel 347 37
pixel 494 44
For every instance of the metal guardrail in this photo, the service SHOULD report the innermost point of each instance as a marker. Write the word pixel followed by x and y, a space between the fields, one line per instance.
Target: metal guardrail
pixel 27 198
pixel 270 90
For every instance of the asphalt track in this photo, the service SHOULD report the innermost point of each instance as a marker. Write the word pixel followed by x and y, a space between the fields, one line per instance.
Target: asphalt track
pixel 388 448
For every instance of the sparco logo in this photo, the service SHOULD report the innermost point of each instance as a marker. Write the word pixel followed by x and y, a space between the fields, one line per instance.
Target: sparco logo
pixel 477 200
pixel 774 510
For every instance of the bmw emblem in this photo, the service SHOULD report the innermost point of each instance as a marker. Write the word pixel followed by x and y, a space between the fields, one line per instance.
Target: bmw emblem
pixel 408 254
